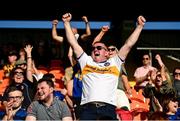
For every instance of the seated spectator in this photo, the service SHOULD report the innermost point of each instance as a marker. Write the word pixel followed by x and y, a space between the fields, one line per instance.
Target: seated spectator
pixel 47 107
pixel 14 109
pixel 60 94
pixel 170 108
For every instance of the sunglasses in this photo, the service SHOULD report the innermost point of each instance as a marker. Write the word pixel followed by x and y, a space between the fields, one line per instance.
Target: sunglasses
pixel 111 49
pixel 176 73
pixel 18 73
pixel 98 48
pixel 145 58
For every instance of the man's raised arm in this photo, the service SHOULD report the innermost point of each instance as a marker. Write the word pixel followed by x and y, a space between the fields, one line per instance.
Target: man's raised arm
pixel 125 49
pixel 66 18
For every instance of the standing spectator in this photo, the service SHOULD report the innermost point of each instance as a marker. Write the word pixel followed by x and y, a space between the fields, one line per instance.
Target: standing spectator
pixel 100 74
pixel 47 107
pixel 14 109
pixel 158 87
pixel 60 39
pixel 142 74
pixel 123 104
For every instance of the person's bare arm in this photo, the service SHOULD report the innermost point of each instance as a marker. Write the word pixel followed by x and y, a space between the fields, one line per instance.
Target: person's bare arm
pixel 54 32
pixel 70 35
pixel 141 79
pixel 70 88
pixel 125 49
pixel 71 57
pixel 126 84
pixel 28 50
pixel 88 30
pixel 98 38
pixel 163 68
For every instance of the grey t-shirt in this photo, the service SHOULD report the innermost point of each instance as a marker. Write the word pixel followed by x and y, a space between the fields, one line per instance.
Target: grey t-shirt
pixel 56 111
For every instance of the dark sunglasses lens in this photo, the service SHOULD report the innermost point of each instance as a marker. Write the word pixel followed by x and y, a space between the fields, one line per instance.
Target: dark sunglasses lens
pixel 111 49
pixel 145 58
pixel 99 47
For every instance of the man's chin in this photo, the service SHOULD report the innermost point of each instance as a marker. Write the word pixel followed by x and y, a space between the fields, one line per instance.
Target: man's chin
pixel 40 97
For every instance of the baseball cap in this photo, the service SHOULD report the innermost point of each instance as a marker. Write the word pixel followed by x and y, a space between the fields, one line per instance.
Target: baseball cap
pixel 13 52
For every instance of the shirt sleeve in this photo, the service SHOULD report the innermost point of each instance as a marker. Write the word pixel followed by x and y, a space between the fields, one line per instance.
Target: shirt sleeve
pixel 32 109
pixel 65 110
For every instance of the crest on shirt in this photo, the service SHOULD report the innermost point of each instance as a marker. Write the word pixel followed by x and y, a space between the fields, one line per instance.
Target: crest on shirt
pixel 106 64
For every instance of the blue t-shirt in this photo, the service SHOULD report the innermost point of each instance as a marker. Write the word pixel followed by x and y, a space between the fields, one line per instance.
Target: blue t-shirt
pixel 59 95
pixel 20 114
pixel 176 116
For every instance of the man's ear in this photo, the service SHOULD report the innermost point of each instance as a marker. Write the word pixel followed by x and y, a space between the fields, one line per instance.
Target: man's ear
pixel 51 89
pixel 22 98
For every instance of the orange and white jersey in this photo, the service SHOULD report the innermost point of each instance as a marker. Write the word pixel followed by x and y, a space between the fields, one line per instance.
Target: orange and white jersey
pixel 100 80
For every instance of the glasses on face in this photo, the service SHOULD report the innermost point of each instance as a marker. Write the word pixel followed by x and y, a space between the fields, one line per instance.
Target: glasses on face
pixel 14 97
pixel 176 73
pixel 111 49
pixel 98 48
pixel 145 58
pixel 18 73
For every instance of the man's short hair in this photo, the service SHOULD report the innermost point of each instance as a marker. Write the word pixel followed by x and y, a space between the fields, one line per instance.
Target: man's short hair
pixel 14 88
pixel 48 81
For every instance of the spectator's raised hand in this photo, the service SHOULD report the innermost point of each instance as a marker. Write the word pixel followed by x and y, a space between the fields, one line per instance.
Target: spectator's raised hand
pixel 28 49
pixel 54 22
pixel 84 18
pixel 105 28
pixel 158 58
pixel 67 17
pixel 141 20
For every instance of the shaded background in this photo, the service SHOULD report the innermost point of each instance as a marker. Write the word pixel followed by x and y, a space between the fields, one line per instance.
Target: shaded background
pixel 122 15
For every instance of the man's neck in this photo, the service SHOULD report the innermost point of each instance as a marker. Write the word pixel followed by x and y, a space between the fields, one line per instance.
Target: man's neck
pixel 48 101
pixel 16 109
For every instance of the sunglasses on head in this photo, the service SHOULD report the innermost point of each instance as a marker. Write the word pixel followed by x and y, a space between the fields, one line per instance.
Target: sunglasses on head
pixel 111 49
pixel 98 48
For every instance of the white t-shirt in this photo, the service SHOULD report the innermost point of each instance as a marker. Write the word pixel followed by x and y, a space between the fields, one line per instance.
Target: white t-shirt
pixel 100 80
